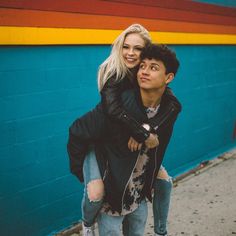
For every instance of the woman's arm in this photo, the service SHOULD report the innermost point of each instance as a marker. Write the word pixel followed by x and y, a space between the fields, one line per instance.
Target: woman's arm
pixel 112 105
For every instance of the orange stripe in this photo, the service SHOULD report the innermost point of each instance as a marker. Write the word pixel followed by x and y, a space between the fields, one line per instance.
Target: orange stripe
pixel 12 17
pixel 121 9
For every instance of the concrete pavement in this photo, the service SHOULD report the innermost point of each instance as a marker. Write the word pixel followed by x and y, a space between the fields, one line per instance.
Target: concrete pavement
pixel 203 202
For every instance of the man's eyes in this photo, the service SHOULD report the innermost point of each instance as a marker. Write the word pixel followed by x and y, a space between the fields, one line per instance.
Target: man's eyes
pixel 154 68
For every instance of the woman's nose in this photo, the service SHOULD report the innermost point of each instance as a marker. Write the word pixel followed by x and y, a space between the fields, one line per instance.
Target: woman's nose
pixel 131 51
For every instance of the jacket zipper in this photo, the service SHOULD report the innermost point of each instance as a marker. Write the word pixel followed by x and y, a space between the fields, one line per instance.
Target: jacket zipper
pixel 105 172
pixel 153 175
pixel 161 122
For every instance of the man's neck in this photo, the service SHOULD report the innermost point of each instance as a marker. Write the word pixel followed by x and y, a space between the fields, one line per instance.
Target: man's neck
pixel 151 98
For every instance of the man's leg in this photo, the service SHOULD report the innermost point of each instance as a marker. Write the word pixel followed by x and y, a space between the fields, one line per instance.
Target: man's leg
pixel 93 192
pixel 134 223
pixel 109 225
pixel 161 201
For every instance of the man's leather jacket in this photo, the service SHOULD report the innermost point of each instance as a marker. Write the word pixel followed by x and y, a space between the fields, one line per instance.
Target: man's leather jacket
pixel 116 162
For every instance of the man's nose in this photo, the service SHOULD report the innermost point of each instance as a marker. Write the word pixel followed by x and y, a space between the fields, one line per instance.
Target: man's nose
pixel 145 70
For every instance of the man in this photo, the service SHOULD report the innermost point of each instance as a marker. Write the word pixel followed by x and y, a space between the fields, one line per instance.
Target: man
pixel 128 176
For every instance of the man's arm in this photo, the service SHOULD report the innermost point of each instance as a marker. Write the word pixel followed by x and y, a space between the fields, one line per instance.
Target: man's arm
pixel 83 132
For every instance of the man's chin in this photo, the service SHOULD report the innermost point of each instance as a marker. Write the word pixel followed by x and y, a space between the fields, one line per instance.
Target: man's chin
pixel 145 87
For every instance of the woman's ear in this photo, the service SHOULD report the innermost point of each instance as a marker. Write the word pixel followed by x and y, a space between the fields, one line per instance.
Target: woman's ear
pixel 169 78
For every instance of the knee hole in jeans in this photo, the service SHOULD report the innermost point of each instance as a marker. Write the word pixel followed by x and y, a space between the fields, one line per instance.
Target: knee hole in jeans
pixel 163 174
pixel 95 190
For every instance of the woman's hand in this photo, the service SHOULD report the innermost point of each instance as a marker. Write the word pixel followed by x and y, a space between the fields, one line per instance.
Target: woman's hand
pixel 133 145
pixel 152 141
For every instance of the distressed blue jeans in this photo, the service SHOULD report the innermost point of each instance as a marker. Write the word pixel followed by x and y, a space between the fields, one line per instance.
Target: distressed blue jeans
pixel 111 225
pixel 161 199
pixel 161 202
pixel 90 209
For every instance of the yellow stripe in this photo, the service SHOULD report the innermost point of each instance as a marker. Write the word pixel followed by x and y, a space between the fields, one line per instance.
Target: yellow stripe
pixel 50 36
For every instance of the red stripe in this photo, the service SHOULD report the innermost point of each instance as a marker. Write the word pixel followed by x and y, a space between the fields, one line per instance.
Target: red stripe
pixel 121 9
pixel 31 18
pixel 184 5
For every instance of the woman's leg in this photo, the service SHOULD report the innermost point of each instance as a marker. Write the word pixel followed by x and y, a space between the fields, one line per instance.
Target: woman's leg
pixel 93 190
pixel 161 201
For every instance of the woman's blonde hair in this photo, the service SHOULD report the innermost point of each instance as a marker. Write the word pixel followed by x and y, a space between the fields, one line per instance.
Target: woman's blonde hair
pixel 114 64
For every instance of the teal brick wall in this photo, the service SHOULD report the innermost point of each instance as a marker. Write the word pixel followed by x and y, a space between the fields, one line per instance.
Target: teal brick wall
pixel 225 3
pixel 44 88
pixel 206 86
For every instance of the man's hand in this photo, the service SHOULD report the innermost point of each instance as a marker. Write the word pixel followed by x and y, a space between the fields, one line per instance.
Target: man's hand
pixel 133 145
pixel 152 141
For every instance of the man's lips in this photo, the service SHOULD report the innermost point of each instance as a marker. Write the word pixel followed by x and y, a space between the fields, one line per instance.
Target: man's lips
pixel 143 79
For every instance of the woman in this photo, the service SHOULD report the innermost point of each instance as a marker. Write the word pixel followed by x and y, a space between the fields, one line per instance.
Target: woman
pixel 116 74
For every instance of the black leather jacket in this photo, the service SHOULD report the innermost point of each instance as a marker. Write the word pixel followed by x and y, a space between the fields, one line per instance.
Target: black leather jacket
pixel 112 105
pixel 115 160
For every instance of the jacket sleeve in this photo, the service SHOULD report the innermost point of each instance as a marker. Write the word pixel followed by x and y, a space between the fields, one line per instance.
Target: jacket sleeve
pixel 165 134
pixel 83 132
pixel 112 105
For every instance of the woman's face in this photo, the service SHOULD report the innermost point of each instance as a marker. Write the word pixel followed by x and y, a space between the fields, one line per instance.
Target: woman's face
pixel 132 48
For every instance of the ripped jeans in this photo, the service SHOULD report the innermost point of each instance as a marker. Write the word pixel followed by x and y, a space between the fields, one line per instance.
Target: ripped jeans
pixel 161 201
pixel 91 207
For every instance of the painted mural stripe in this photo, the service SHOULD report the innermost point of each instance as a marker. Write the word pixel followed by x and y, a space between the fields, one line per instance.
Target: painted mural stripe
pixel 31 18
pixel 51 36
pixel 185 5
pixel 125 10
pixel 75 5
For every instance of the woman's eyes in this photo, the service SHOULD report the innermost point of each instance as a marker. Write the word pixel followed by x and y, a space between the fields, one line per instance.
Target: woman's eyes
pixel 128 47
pixel 139 49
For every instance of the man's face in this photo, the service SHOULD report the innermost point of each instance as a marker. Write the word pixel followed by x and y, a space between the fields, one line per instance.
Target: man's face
pixel 152 75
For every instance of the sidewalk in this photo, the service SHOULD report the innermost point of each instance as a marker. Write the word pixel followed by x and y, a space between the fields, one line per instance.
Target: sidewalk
pixel 203 202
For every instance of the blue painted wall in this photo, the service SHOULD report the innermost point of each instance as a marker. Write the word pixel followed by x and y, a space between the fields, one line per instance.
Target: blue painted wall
pixel 43 89
pixel 225 3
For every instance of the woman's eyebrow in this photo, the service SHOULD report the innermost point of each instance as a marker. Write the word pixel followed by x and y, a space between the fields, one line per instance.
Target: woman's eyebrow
pixel 137 45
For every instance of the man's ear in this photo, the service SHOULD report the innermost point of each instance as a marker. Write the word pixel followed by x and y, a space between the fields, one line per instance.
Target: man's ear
pixel 169 78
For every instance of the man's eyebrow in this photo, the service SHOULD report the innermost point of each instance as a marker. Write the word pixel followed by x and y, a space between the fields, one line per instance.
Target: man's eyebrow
pixel 155 64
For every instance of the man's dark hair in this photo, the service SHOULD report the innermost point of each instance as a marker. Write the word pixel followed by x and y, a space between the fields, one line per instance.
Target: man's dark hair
pixel 161 52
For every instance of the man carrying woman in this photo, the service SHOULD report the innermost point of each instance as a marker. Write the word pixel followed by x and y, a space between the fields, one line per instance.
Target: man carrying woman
pixel 130 135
